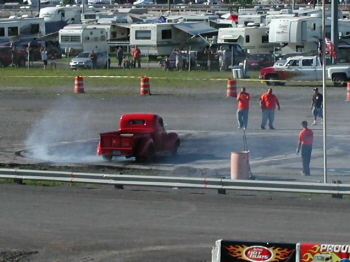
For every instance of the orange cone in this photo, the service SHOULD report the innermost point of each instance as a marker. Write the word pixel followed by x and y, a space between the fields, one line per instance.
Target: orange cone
pixel 348 92
pixel 79 85
pixel 145 86
pixel 231 88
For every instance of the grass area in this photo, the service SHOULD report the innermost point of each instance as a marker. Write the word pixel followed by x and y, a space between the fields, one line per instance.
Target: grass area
pixel 39 78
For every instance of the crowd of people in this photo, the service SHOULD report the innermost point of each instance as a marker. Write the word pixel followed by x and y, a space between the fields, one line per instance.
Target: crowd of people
pixel 269 103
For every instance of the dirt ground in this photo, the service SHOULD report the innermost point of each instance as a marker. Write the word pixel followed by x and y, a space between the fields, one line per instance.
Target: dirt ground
pixel 59 129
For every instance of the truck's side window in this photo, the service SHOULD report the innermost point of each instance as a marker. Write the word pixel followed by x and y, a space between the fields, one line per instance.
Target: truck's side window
pixel 307 62
pixel 160 121
pixel 293 63
pixel 137 122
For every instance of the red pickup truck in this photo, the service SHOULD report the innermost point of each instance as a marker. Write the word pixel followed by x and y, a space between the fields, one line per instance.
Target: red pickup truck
pixel 142 136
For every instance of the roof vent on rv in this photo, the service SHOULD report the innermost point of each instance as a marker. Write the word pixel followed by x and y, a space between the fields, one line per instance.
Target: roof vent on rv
pixel 13 17
pixel 252 24
pixel 27 16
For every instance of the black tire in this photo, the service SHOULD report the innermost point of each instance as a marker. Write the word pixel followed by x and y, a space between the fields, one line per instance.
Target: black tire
pixel 107 157
pixel 271 80
pixel 174 152
pixel 339 80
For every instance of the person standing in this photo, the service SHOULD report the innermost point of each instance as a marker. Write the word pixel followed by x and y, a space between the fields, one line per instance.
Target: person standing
pixel 13 55
pixel 178 59
pixel 120 55
pixel 53 60
pixel 93 58
pixel 243 99
pixel 43 54
pixel 30 53
pixel 306 139
pixel 222 58
pixel 268 103
pixel 209 55
pixel 317 106
pixel 136 54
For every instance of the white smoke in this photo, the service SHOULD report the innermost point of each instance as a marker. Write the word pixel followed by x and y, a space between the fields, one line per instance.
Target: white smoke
pixel 64 134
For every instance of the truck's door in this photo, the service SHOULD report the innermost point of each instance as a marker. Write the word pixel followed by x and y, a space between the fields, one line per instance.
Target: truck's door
pixel 160 135
pixel 308 69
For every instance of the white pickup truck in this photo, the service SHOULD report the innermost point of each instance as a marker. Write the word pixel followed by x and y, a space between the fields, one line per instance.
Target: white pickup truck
pixel 304 68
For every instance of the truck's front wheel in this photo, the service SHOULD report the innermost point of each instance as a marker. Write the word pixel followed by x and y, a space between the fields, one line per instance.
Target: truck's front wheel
pixel 271 80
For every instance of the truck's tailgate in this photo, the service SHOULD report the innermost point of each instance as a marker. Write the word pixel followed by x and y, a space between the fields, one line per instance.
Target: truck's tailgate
pixel 117 141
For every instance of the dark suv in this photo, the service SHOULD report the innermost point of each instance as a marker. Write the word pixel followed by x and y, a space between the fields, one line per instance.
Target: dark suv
pixel 6 57
pixel 235 55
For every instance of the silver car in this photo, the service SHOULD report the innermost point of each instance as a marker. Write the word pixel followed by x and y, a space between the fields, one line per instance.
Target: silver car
pixel 83 61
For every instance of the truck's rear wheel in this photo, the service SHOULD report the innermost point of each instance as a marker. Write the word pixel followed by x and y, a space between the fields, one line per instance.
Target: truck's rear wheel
pixel 107 157
pixel 339 81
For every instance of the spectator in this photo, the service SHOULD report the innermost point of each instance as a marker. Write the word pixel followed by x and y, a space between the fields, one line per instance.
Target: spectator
pixel 93 58
pixel 30 53
pixel 222 58
pixel 43 54
pixel 166 64
pixel 317 106
pixel 53 60
pixel 13 55
pixel 120 55
pixel 178 59
pixel 209 54
pixel 136 54
pixel 268 103
pixel 306 139
pixel 243 108
pixel 126 62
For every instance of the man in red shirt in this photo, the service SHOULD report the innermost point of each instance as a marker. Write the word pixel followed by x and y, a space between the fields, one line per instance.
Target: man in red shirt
pixel 306 139
pixel 243 108
pixel 268 103
pixel 136 54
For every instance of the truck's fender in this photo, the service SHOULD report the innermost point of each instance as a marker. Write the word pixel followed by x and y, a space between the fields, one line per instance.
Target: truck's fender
pixel 144 145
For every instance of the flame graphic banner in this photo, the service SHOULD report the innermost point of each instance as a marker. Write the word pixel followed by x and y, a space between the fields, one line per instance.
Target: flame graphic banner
pixel 310 252
pixel 238 251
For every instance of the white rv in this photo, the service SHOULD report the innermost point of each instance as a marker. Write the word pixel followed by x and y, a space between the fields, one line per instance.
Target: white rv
pixel 160 39
pixel 78 38
pixel 15 28
pixel 297 34
pixel 59 16
pixel 253 38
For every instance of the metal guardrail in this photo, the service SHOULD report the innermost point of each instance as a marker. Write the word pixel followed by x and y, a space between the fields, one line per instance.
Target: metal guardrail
pixel 220 184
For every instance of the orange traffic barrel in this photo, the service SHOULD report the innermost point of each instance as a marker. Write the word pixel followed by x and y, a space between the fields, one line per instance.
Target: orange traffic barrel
pixel 231 88
pixel 79 84
pixel 348 92
pixel 240 165
pixel 145 86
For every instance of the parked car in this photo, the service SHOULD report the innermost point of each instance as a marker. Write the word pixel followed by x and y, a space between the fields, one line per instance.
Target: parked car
pixel 258 61
pixel 6 57
pixel 51 47
pixel 83 61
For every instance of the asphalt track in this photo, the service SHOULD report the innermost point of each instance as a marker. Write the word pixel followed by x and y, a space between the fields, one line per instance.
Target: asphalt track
pixel 89 223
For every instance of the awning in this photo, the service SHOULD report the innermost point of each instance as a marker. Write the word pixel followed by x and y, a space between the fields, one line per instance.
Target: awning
pixel 196 28
pixel 124 25
pixel 235 37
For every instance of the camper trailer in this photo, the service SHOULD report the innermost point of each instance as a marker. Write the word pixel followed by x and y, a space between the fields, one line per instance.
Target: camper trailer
pixel 160 39
pixel 297 34
pixel 78 38
pixel 58 17
pixel 25 27
pixel 253 38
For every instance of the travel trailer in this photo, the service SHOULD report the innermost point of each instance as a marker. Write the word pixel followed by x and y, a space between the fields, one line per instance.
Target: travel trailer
pixel 253 38
pixel 160 39
pixel 25 27
pixel 297 34
pixel 59 16
pixel 81 37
